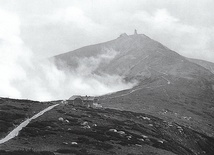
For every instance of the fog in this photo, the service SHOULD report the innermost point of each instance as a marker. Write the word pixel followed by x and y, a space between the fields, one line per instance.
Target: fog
pixel 23 76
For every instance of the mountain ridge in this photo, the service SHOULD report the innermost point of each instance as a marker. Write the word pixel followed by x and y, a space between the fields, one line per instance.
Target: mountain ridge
pixel 134 54
pixel 206 64
pixel 169 85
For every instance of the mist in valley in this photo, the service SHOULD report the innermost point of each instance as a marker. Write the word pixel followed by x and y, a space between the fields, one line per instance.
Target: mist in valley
pixel 25 77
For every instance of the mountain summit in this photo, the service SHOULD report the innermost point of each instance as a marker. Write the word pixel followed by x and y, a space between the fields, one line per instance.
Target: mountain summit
pixel 137 56
pixel 169 85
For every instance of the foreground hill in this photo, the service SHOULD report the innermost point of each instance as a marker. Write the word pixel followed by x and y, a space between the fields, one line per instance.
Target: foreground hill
pixel 13 112
pixel 69 129
pixel 170 86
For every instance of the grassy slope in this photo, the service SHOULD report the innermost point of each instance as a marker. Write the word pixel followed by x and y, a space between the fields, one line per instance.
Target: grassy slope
pixel 188 102
pixel 13 112
pixel 143 134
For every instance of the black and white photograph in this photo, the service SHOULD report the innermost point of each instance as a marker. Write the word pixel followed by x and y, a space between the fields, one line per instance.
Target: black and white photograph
pixel 106 77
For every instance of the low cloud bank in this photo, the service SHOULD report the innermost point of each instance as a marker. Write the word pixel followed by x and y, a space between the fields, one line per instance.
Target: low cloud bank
pixel 24 77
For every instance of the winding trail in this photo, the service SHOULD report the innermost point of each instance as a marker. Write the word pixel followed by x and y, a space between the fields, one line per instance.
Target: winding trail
pixel 143 87
pixel 134 90
pixel 15 131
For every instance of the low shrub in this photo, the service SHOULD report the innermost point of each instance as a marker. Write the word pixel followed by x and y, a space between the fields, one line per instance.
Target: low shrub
pixel 25 152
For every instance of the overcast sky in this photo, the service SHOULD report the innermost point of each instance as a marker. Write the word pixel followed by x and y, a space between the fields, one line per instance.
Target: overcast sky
pixel 50 27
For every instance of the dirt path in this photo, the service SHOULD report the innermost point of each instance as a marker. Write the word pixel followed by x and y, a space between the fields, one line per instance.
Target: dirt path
pixel 15 131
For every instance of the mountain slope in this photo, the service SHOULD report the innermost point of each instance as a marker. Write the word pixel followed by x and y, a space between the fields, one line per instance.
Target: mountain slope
pixel 206 64
pixel 135 55
pixel 169 85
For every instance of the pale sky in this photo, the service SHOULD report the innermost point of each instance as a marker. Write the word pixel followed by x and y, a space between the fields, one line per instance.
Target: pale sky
pixel 50 27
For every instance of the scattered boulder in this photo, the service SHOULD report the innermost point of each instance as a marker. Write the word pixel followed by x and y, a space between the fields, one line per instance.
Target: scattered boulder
pixel 112 130
pixel 86 127
pixel 84 123
pixel 146 118
pixel 144 136
pixel 60 119
pixel 138 145
pixel 65 143
pixel 160 141
pixel 49 127
pixel 129 137
pixel 74 143
pixel 121 132
pixel 141 139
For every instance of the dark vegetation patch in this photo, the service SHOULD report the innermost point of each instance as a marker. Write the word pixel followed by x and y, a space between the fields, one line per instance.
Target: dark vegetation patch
pixel 4 126
pixel 25 152
pixel 60 111
pixel 72 115
pixel 209 114
pixel 42 124
pixel 74 151
pixel 102 146
pixel 10 107
pixel 35 132
pixel 5 116
pixel 36 129
pixel 73 121
pixel 195 112
pixel 92 134
pixel 7 121
pixel 15 111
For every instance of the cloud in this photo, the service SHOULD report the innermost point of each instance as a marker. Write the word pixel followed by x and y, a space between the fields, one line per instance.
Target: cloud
pixel 88 65
pixel 188 40
pixel 46 82
pixel 76 18
pixel 24 77
pixel 52 27
pixel 11 48
pixel 161 22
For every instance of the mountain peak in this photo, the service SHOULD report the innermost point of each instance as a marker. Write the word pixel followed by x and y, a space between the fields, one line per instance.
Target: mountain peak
pixel 124 35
